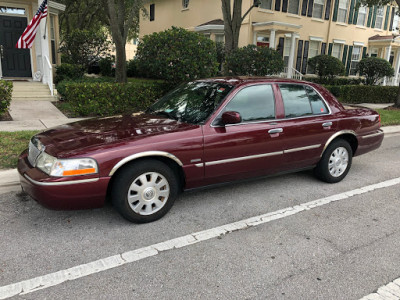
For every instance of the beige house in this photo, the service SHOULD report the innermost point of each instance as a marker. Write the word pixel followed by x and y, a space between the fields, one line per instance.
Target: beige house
pixel 298 29
pixel 38 62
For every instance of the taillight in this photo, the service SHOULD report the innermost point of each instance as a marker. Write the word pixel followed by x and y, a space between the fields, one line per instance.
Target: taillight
pixel 379 119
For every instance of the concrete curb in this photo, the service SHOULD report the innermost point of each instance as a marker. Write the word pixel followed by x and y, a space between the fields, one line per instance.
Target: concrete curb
pixel 9 179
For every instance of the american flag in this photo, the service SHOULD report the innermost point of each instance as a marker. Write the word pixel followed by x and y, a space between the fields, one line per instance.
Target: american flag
pixel 28 36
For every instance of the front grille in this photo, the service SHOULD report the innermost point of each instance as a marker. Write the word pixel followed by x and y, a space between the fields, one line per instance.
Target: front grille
pixel 33 154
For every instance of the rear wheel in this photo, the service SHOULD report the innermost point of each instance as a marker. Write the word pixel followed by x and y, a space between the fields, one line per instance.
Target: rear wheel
pixel 335 162
pixel 144 191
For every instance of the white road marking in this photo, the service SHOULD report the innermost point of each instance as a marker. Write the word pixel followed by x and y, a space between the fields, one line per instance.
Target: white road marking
pixel 386 292
pixel 52 279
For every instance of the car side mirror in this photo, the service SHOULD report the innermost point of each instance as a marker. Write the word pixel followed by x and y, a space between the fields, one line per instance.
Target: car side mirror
pixel 231 117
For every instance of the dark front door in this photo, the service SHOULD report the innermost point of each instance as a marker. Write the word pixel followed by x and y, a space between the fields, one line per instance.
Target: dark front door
pixel 14 62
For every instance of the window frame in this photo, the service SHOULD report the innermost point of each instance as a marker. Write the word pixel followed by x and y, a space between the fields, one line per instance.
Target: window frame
pixel 329 111
pixel 322 10
pixel 364 14
pixel 340 50
pixel 185 4
pixel 345 9
pixel 298 7
pixel 352 60
pixel 262 2
pixel 317 53
pixel 380 16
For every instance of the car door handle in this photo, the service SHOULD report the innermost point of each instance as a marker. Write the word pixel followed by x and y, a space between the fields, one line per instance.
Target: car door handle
pixel 327 124
pixel 275 130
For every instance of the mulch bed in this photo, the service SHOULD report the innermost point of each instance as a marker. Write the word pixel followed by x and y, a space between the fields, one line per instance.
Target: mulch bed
pixel 5 117
pixel 392 108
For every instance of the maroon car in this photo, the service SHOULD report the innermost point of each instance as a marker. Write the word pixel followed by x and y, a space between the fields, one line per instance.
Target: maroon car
pixel 202 133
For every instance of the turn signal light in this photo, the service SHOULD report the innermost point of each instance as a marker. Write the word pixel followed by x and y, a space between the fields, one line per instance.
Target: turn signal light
pixel 79 172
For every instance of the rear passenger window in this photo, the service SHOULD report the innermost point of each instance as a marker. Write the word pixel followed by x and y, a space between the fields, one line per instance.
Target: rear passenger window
pixel 254 103
pixel 299 100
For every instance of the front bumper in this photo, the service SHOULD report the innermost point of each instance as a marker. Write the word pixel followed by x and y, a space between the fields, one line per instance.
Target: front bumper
pixel 79 192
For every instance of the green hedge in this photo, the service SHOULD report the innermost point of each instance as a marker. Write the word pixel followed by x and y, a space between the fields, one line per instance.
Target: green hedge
pixel 106 99
pixel 364 93
pixel 336 80
pixel 6 88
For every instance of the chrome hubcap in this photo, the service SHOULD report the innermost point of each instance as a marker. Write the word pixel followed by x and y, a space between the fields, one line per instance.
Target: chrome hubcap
pixel 148 193
pixel 338 161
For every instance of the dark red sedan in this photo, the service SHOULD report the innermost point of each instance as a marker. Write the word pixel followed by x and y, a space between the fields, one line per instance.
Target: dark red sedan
pixel 202 133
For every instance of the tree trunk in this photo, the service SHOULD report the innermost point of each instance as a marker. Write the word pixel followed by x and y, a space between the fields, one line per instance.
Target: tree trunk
pixel 120 62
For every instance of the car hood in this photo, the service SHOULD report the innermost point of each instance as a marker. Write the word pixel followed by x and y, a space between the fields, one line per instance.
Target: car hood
pixel 101 133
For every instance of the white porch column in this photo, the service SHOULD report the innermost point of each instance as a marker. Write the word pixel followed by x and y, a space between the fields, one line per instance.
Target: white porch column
pixel 44 45
pixel 396 68
pixel 291 55
pixel 272 39
pixel 387 57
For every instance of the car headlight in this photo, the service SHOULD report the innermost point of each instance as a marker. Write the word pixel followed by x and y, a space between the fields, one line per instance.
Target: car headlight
pixel 66 167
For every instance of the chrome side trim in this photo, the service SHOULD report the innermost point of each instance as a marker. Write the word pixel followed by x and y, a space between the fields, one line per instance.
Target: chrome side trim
pixel 335 135
pixel 199 165
pixel 302 148
pixel 224 161
pixel 144 154
pixel 60 183
pixel 372 135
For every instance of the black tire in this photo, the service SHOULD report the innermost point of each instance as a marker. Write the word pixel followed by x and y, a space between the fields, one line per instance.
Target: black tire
pixel 323 170
pixel 149 194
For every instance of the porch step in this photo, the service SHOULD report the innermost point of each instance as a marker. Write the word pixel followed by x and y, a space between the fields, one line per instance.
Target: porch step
pixel 35 98
pixel 28 94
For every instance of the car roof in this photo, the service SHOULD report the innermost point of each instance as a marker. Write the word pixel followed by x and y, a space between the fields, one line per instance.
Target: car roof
pixel 239 80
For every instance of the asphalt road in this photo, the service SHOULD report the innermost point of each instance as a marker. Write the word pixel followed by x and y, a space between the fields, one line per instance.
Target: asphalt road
pixel 345 249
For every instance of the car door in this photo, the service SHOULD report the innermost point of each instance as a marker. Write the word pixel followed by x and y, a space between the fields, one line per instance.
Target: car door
pixel 306 125
pixel 250 148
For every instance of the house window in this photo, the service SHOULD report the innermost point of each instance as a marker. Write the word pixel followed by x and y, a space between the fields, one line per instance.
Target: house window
pixel 374 52
pixel 263 41
pixel 135 41
pixel 286 51
pixel 396 21
pixel 337 51
pixel 266 4
pixel 152 11
pixel 313 50
pixel 185 4
pixel 219 38
pixel 379 17
pixel 318 9
pixel 293 7
pixel 53 41
pixel 355 60
pixel 362 15
pixel 342 11
pixel 12 10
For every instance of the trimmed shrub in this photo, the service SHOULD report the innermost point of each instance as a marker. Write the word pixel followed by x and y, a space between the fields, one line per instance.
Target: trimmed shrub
pixel 176 55
pixel 326 66
pixel 106 66
pixel 106 99
pixel 374 69
pixel 253 61
pixel 336 80
pixel 68 71
pixel 6 88
pixel 131 68
pixel 364 93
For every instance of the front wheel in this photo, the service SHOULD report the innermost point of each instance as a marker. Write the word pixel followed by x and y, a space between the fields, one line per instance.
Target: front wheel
pixel 144 191
pixel 335 162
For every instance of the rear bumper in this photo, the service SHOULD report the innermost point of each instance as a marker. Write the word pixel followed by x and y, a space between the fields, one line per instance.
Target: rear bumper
pixel 369 142
pixel 61 193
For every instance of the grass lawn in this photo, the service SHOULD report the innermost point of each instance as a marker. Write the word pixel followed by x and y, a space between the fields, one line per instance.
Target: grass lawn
pixel 11 145
pixel 389 117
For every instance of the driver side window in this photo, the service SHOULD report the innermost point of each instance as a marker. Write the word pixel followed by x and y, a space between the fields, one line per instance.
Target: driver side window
pixel 254 103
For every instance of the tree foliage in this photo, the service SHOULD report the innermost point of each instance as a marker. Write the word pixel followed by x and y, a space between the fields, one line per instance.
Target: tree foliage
pixel 176 55
pixel 326 66
pixel 123 23
pixel 253 61
pixel 374 69
pixel 83 46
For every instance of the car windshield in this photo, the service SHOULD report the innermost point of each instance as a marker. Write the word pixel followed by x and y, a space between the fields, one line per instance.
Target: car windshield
pixel 191 102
